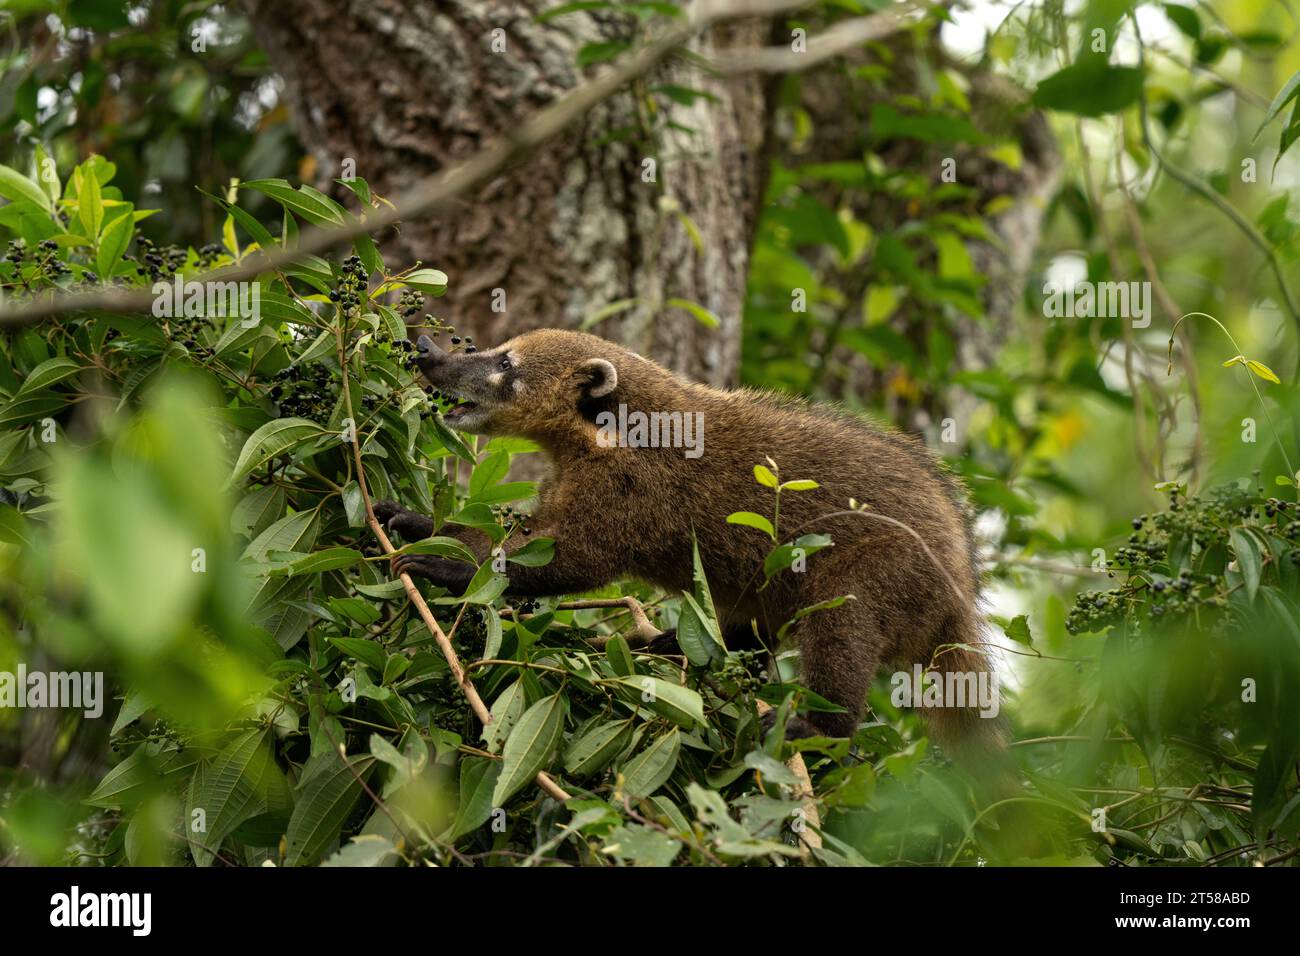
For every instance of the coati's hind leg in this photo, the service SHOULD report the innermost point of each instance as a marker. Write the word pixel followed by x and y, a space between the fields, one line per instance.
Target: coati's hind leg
pixel 840 649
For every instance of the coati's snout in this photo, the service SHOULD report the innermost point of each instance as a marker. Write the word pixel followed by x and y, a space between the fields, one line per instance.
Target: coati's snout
pixel 537 382
pixel 477 383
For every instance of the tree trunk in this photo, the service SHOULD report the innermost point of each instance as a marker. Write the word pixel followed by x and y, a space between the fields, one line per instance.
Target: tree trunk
pixel 403 88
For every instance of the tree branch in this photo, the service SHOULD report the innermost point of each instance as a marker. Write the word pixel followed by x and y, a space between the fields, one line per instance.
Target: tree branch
pixel 436 191
pixel 842 37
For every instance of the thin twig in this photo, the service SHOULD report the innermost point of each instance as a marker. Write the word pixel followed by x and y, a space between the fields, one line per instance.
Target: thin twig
pixel 842 37
pixel 544 780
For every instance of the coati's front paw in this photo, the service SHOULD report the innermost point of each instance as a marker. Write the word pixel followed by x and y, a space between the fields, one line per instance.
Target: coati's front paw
pixel 411 525
pixel 796 727
pixel 443 572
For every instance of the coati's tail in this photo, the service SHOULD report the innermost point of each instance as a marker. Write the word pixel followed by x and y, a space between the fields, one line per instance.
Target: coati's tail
pixel 969 728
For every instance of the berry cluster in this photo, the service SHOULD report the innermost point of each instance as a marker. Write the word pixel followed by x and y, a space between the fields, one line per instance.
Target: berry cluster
pixel 410 302
pixel 188 330
pixel 158 263
pixel 305 392
pixel 46 261
pixel 209 253
pixel 506 516
pixel 352 285
pixel 1155 590
pixel 745 670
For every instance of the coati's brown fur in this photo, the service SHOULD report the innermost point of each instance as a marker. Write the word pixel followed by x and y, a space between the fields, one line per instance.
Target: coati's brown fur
pixel 619 512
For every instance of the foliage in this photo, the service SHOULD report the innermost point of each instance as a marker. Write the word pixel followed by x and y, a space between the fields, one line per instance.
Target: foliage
pixel 225 575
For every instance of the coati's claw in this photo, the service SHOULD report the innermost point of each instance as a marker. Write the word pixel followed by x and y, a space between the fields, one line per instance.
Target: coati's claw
pixel 440 571
pixel 386 511
pixel 411 525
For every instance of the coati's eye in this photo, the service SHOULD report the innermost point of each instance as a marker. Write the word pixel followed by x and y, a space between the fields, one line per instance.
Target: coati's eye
pixel 505 363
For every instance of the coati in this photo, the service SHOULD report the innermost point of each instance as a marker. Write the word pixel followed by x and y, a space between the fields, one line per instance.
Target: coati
pixel 907 557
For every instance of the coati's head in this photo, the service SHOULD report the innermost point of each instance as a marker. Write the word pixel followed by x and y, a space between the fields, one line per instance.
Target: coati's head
pixel 540 383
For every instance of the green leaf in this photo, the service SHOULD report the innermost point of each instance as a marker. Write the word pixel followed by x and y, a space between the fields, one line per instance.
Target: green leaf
pixel 1184 18
pixel 535 554
pixel 368 652
pixel 682 705
pixel 506 711
pixel 799 484
pixel 331 559
pixel 594 750
pixel 429 281
pixel 243 782
pixel 113 243
pixel 488 472
pixel 27 408
pixel 484 588
pixel 601 52
pixel 1263 371
pixel 650 769
pixel 140 774
pixel 301 201
pixel 359 187
pixel 619 656
pixel 1090 88
pixel 763 475
pixel 785 555
pixel 47 175
pixel 295 532
pixel 255 229
pixel 752 520
pixel 1246 548
pixel 13 527
pixel 1018 630
pixel 47 374
pixel 90 205
pixel 387 591
pixel 272 439
pixel 443 547
pixel 529 747
pixel 1284 96
pixel 354 504
pixel 803 612
pixel 328 796
pixel 478 780
pixel 14 185
pixel 697 633
pixel 604 312
pixel 702 315
pixel 492 623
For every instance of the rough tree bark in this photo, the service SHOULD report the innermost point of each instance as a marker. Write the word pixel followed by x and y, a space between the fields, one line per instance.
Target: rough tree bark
pixel 404 87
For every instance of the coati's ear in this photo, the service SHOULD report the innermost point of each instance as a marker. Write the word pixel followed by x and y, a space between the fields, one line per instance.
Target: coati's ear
pixel 597 377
